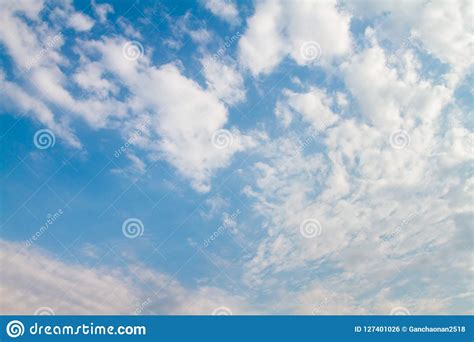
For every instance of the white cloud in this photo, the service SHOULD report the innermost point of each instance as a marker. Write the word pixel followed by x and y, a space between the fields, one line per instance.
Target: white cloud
pixel 385 213
pixel 184 128
pixel 80 22
pixel 181 131
pixel 347 175
pixel 443 29
pixel 223 80
pixel 73 289
pixel 102 10
pixel 281 28
pixel 397 98
pixel 314 106
pixel 16 97
pixel 225 9
pixel 90 77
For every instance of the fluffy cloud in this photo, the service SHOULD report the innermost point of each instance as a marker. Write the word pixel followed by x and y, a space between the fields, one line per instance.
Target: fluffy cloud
pixel 361 202
pixel 314 106
pixel 223 80
pixel 80 22
pixel 184 129
pixel 281 28
pixel 102 10
pixel 384 208
pixel 225 9
pixel 433 25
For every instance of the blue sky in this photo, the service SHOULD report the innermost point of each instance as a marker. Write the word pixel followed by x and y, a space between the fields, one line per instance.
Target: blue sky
pixel 225 157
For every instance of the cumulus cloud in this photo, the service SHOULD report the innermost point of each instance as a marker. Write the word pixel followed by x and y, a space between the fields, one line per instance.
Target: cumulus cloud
pixel 432 25
pixel 359 202
pixel 280 28
pixel 102 10
pixel 185 129
pixel 314 106
pixel 224 80
pixel 182 131
pixel 225 9
pixel 80 22
pixel 385 208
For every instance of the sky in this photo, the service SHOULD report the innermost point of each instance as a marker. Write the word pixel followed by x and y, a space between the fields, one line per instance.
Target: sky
pixel 236 157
